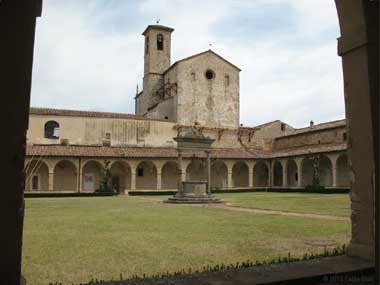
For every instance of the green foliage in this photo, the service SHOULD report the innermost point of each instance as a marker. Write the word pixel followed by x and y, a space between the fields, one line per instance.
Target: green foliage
pixel 339 250
pixel 106 181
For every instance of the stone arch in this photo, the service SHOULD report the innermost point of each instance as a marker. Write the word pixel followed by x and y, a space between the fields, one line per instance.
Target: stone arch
pixel 240 174
pixel 91 175
pixel 121 176
pixel 277 174
pixel 36 176
pixel 307 171
pixel 343 171
pixel 196 170
pixel 219 175
pixel 325 171
pixel 146 176
pixel 292 173
pixel 260 174
pixel 51 130
pixel 169 179
pixel 65 176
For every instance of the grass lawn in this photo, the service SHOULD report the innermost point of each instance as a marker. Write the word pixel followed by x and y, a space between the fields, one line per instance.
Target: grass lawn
pixel 322 204
pixel 72 240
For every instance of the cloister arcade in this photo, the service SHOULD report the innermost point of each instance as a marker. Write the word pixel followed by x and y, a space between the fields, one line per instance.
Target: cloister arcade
pixel 84 175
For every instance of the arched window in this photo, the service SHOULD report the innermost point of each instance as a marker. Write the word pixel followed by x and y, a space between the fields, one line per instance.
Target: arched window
pixel 160 42
pixel 51 130
pixel 146 45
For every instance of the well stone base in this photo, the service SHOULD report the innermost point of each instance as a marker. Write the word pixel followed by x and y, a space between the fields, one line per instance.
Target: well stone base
pixel 194 192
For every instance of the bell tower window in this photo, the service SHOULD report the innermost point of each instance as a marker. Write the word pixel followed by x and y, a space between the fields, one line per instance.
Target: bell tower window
pixel 146 45
pixel 160 42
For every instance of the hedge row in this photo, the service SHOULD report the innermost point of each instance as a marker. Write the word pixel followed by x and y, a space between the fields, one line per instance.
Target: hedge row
pixel 287 190
pixel 66 194
pixel 172 192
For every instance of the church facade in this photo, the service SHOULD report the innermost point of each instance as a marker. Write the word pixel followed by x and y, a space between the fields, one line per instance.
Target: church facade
pixel 67 149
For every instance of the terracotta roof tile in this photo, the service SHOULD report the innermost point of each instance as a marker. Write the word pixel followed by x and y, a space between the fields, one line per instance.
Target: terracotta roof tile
pixel 320 148
pixel 149 152
pixel 319 127
pixel 78 113
pixel 103 151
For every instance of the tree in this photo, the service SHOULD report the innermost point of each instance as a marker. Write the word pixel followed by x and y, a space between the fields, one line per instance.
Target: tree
pixel 106 181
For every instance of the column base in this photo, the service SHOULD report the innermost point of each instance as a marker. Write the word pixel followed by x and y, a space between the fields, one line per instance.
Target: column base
pixel 362 251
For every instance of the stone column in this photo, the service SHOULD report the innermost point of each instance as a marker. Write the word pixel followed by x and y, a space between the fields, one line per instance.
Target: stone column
pixel 270 174
pixel 158 176
pixel 179 171
pixel 133 178
pixel 229 177
pixel 250 172
pixel 356 46
pixel 51 180
pixel 80 181
pixel 208 153
pixel 284 174
pixel 334 175
pixel 299 171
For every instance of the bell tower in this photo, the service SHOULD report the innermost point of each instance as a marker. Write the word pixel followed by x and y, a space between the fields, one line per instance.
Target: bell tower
pixel 157 49
pixel 156 62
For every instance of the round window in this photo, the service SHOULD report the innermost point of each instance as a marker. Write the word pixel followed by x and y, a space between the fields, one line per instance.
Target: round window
pixel 210 74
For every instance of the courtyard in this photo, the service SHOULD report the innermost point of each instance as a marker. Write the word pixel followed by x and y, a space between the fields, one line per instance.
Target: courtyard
pixel 73 240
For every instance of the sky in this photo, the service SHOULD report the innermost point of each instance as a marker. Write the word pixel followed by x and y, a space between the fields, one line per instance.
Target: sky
pixel 89 53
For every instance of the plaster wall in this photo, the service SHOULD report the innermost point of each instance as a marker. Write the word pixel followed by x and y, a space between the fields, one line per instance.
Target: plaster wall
pixel 92 131
pixel 200 98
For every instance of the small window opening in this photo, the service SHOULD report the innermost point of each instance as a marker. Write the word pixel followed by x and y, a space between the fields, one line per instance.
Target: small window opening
pixel 166 117
pixel 147 45
pixel 282 127
pixel 140 172
pixel 193 76
pixel 210 74
pixel 51 130
pixel 344 136
pixel 108 136
pixel 227 80
pixel 160 42
pixel 296 176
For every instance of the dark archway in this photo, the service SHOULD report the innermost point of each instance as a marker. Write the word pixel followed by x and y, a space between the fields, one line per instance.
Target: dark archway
pixel 91 176
pixel 219 175
pixel 240 174
pixel 146 176
pixel 325 171
pixel 292 173
pixel 121 176
pixel 65 176
pixel 260 174
pixel 342 171
pixel 307 172
pixel 277 174
pixel 36 176
pixel 169 177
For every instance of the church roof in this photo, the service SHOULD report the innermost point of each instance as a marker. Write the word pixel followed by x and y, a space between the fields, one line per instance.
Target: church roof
pixel 157 27
pixel 316 128
pixel 200 54
pixel 79 113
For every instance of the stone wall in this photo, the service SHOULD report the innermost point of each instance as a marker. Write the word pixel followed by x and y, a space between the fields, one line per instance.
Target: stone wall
pixel 334 135
pixel 212 102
